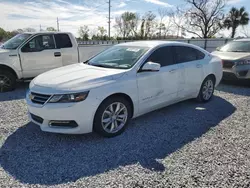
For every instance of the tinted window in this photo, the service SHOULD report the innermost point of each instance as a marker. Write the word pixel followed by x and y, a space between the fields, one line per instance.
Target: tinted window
pixel 63 41
pixel 199 54
pixel 163 56
pixel 39 43
pixel 186 54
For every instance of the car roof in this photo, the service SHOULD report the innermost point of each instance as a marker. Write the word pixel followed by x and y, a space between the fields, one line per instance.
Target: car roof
pixel 46 32
pixel 243 40
pixel 156 43
pixel 153 43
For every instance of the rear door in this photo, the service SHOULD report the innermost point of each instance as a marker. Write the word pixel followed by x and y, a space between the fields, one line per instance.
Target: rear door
pixel 68 50
pixel 191 60
pixel 156 89
pixel 39 55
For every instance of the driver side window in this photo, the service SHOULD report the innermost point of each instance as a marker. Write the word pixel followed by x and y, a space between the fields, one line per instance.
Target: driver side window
pixel 39 43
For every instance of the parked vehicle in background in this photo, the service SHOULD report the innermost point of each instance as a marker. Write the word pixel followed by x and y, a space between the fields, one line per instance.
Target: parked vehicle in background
pixel 29 54
pixel 236 59
pixel 123 82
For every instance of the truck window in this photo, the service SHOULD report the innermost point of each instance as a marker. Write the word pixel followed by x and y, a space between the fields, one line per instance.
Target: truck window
pixel 39 43
pixel 63 41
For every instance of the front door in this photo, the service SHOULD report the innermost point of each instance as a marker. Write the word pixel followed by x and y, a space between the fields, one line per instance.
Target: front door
pixel 39 55
pixel 157 89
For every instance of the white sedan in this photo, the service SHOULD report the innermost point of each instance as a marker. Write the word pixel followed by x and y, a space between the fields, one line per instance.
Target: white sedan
pixel 123 82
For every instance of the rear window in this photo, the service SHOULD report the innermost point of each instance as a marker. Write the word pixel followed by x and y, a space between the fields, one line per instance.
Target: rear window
pixel 187 54
pixel 63 41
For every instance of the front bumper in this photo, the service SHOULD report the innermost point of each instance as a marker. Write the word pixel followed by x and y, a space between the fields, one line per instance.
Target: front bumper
pixel 237 73
pixel 81 113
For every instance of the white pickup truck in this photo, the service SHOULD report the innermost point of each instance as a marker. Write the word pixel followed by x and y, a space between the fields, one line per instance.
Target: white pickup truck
pixel 29 54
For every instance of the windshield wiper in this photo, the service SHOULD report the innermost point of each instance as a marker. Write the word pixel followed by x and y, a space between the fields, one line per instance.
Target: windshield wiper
pixel 102 65
pixel 86 62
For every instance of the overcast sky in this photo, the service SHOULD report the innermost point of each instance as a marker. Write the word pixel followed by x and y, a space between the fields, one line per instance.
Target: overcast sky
pixel 75 13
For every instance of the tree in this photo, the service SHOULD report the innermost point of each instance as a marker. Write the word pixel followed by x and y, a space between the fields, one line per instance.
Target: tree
pixel 102 32
pixel 236 18
pixel 84 32
pixel 29 29
pixel 178 20
pixel 19 31
pixel 3 34
pixel 163 12
pixel 149 24
pixel 204 17
pixel 51 29
pixel 127 24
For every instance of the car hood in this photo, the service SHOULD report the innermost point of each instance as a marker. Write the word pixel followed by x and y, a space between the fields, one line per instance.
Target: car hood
pixel 231 55
pixel 76 77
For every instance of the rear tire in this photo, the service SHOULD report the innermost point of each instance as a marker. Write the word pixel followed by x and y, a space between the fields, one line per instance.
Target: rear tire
pixel 112 116
pixel 7 81
pixel 206 90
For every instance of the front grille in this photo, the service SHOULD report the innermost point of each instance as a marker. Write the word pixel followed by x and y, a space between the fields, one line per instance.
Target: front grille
pixel 37 118
pixel 39 98
pixel 228 64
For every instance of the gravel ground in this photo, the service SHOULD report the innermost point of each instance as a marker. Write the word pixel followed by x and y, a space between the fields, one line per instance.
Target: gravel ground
pixel 183 145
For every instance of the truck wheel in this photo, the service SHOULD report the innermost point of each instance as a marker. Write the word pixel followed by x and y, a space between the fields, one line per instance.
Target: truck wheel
pixel 7 81
pixel 112 116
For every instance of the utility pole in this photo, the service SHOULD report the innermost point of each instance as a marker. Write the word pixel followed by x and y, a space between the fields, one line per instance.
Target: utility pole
pixel 40 27
pixel 57 24
pixel 109 16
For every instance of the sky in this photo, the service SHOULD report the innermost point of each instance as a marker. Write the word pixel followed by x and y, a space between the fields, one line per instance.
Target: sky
pixel 72 14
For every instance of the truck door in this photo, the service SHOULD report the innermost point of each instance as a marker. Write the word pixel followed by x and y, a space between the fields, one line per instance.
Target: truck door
pixel 39 55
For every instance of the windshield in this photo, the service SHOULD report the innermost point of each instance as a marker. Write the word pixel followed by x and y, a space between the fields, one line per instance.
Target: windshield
pixel 119 57
pixel 14 42
pixel 236 46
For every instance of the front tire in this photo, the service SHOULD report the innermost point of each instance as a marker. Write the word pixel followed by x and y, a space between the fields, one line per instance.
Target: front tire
pixel 112 116
pixel 7 81
pixel 206 90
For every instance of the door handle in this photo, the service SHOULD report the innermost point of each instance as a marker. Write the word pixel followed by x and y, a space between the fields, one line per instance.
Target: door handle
pixel 198 65
pixel 172 71
pixel 57 54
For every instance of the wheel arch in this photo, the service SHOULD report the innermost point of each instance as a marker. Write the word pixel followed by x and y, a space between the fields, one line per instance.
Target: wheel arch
pixel 213 77
pixel 8 68
pixel 125 96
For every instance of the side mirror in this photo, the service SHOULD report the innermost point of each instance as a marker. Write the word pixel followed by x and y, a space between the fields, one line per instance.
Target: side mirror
pixel 150 67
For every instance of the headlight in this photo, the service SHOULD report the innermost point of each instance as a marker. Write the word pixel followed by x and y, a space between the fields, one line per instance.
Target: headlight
pixel 66 98
pixel 243 62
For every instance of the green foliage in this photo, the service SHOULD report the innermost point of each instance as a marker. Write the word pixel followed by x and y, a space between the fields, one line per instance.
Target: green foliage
pixel 3 34
pixel 84 32
pixel 235 18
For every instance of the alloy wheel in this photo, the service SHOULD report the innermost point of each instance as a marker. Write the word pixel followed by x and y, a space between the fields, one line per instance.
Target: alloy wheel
pixel 114 117
pixel 207 90
pixel 5 83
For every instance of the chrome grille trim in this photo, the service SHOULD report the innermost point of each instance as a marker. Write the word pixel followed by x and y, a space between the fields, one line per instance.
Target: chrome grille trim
pixel 39 98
